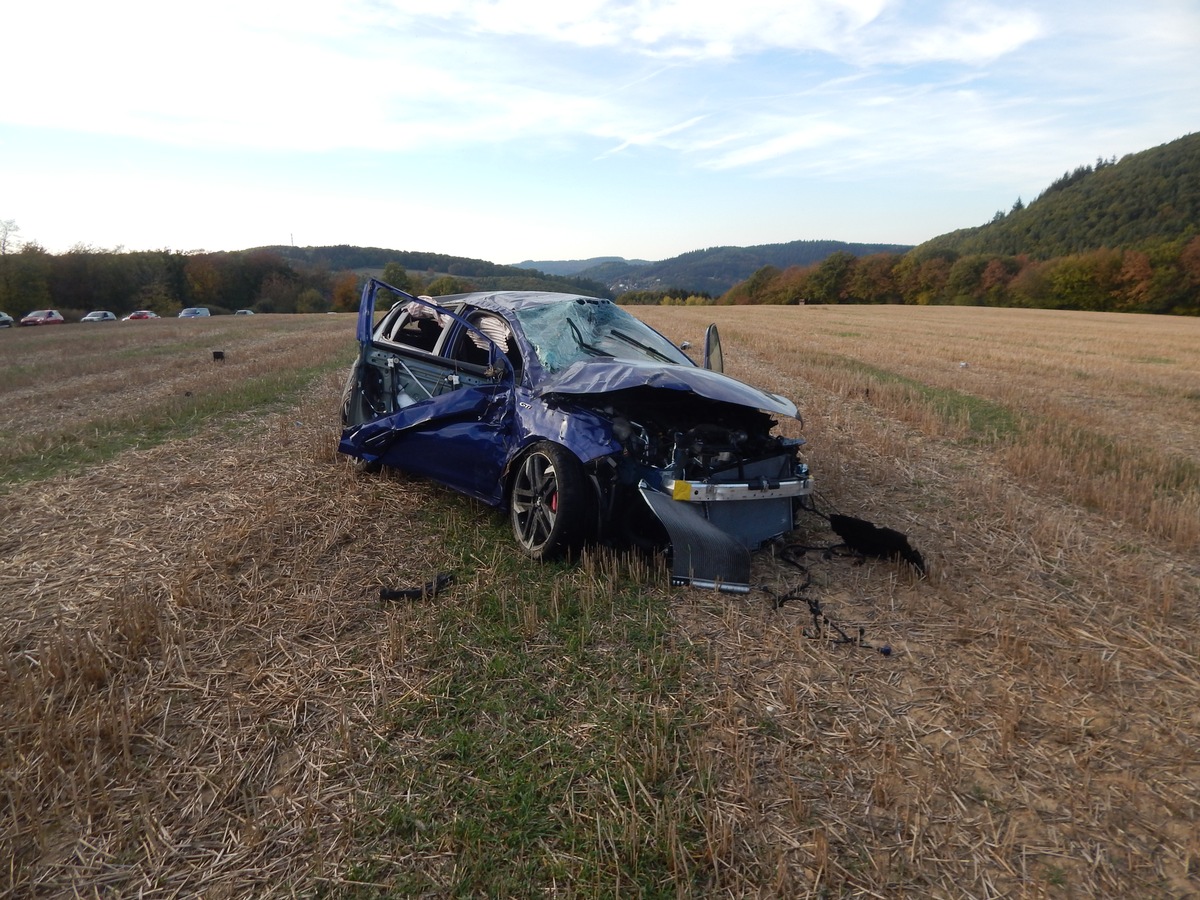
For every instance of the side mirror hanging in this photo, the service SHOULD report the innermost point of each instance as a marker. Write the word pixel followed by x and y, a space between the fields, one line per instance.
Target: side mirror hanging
pixel 714 359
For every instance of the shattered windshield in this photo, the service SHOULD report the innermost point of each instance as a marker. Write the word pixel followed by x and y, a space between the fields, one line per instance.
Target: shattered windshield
pixel 588 328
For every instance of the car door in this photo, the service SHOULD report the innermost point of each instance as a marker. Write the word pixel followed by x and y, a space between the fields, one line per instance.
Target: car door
pixel 432 394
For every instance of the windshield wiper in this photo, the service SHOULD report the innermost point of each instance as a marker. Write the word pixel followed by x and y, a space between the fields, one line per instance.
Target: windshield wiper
pixel 584 345
pixel 643 347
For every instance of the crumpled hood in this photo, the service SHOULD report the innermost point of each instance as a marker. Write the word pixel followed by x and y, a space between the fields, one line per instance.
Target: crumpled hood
pixel 601 376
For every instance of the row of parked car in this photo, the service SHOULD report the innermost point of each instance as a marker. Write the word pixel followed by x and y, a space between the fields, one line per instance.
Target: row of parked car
pixel 54 317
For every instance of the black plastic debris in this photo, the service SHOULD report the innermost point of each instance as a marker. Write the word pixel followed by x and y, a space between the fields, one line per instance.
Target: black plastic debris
pixel 429 589
pixel 870 539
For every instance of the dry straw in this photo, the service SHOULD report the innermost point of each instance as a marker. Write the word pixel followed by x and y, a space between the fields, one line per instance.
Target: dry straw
pixel 197 674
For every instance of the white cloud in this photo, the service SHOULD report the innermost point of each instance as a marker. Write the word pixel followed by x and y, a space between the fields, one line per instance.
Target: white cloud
pixel 974 34
pixel 703 30
pixel 313 76
pixel 794 136
pixel 964 92
pixel 654 137
pixel 717 29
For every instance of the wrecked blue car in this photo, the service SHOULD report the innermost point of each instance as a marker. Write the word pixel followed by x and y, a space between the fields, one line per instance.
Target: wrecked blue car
pixel 583 423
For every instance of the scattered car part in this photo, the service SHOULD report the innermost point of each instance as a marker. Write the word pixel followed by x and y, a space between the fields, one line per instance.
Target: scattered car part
pixel 870 539
pixel 429 589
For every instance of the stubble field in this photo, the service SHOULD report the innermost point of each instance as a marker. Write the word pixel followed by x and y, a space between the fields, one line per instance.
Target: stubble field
pixel 203 695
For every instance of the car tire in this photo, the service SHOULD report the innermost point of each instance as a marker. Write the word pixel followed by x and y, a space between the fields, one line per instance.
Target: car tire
pixel 550 503
pixel 352 413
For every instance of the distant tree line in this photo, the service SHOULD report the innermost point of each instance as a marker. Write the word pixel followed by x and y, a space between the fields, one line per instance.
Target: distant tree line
pixel 479 273
pixel 265 279
pixel 165 281
pixel 668 297
pixel 1159 277
pixel 715 270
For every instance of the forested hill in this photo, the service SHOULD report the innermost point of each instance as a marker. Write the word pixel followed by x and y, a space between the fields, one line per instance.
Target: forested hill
pixel 575 266
pixel 481 274
pixel 716 269
pixel 1146 197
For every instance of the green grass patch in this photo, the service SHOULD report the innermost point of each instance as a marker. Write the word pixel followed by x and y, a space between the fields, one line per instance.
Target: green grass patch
pixel 1092 453
pixel 182 417
pixel 985 419
pixel 546 753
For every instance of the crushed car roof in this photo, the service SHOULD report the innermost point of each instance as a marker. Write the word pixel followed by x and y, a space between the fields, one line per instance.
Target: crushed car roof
pixel 597 376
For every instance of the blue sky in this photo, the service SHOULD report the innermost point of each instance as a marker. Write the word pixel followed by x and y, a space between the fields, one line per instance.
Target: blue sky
pixel 549 129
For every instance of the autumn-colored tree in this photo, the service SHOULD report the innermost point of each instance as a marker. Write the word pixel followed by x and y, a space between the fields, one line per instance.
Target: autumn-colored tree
pixel 1189 270
pixel 830 281
pixel 791 286
pixel 758 285
pixel 346 290
pixel 1135 282
pixel 874 279
pixel 923 280
pixel 995 278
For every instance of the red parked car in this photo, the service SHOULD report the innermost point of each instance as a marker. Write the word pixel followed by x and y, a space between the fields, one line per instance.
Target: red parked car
pixel 43 317
pixel 140 314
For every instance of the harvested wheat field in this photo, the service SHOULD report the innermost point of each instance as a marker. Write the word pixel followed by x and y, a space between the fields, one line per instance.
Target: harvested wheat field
pixel 203 694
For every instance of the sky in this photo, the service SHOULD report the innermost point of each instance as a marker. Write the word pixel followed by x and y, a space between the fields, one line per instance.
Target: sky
pixel 509 130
